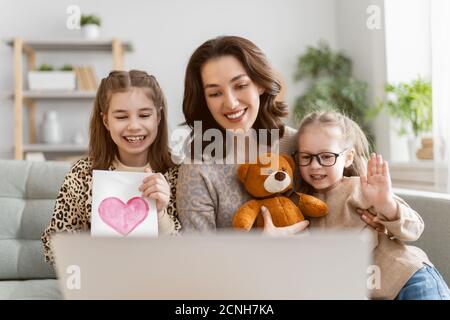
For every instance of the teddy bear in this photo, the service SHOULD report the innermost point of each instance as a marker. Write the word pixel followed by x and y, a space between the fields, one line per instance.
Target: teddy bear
pixel 270 182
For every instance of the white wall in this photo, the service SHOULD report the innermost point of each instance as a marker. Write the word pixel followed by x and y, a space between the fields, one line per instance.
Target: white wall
pixel 164 34
pixel 367 50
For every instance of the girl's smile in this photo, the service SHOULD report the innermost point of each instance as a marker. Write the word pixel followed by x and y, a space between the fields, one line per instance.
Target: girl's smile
pixel 135 140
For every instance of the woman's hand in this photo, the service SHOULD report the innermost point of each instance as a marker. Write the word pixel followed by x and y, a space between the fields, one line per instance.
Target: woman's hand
pixel 271 230
pixel 372 220
pixel 156 187
pixel 377 187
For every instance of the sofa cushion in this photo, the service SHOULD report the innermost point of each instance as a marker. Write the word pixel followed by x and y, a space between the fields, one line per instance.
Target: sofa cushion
pixel 434 208
pixel 27 198
pixel 30 289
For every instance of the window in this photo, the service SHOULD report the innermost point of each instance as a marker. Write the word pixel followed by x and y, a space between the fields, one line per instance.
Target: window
pixel 417 44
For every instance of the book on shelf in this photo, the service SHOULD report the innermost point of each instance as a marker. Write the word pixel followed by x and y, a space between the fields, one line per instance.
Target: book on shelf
pixel 80 82
pixel 92 78
pixel 86 80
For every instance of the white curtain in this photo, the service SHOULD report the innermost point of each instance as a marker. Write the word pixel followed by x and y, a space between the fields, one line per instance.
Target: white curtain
pixel 440 53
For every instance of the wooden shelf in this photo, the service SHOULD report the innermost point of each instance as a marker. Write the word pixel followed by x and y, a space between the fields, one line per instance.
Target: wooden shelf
pixel 41 147
pixel 60 95
pixel 28 49
pixel 419 175
pixel 72 45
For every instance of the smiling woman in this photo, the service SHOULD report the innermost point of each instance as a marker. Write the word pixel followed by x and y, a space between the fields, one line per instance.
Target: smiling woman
pixel 231 95
pixel 229 86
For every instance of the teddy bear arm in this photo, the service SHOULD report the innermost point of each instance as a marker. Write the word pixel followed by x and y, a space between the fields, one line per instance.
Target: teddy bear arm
pixel 246 215
pixel 311 206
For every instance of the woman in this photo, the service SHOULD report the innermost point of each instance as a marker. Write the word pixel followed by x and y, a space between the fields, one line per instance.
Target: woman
pixel 229 87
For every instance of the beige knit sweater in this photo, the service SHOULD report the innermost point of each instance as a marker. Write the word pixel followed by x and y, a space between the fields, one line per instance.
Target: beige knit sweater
pixel 397 262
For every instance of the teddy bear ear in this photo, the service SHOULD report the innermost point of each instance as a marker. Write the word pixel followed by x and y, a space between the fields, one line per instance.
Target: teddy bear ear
pixel 242 171
pixel 290 160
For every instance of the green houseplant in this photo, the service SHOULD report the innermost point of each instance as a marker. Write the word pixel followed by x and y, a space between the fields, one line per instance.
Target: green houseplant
pixel 410 102
pixel 90 26
pixel 331 85
pixel 66 67
pixel 45 67
pixel 90 19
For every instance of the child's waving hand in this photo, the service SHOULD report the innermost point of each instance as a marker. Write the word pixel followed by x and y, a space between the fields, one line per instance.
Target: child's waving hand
pixel 377 187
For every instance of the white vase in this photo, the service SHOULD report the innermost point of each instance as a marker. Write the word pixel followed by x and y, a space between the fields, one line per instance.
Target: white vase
pixel 51 132
pixel 90 31
pixel 78 138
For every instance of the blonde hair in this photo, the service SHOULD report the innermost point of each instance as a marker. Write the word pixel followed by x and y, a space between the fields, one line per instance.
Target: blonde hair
pixel 102 148
pixel 352 136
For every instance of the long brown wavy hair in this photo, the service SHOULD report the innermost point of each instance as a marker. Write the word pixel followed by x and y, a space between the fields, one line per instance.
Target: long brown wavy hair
pixel 102 149
pixel 258 69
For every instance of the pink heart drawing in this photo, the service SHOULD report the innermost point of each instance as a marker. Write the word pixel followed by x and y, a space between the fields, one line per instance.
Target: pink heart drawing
pixel 122 217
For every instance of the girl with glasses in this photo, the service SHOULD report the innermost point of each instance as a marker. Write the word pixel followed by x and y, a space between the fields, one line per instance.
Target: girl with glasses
pixel 335 166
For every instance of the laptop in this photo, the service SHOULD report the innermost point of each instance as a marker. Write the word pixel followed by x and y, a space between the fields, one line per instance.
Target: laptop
pixel 223 266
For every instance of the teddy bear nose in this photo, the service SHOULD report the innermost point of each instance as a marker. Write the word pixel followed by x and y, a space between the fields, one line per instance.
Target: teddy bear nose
pixel 280 176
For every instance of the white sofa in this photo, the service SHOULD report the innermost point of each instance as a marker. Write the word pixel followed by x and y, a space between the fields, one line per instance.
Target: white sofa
pixel 435 240
pixel 27 197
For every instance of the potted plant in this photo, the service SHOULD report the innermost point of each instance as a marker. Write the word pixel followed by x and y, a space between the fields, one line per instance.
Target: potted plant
pixel 46 78
pixel 331 85
pixel 90 26
pixel 410 103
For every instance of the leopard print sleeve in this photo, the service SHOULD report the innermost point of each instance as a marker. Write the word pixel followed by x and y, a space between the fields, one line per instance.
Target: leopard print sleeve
pixel 171 176
pixel 72 208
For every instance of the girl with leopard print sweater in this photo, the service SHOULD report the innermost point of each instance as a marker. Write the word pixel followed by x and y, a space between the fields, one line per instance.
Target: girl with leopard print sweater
pixel 128 132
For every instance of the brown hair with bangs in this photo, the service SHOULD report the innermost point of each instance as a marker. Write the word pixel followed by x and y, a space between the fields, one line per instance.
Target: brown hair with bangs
pixel 102 149
pixel 258 69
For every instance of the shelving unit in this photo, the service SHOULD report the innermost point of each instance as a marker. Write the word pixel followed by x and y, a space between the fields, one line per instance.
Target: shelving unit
pixel 50 95
pixel 23 97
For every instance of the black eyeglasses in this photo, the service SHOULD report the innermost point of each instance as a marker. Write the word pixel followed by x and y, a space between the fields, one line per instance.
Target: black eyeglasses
pixel 325 159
